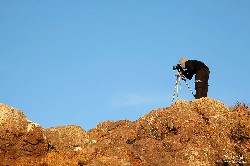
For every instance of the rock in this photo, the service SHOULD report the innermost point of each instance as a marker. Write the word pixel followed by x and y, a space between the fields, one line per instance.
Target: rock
pixel 19 137
pixel 198 132
pixel 69 137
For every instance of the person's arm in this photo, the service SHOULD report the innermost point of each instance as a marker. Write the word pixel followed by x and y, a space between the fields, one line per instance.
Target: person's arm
pixel 190 70
pixel 188 74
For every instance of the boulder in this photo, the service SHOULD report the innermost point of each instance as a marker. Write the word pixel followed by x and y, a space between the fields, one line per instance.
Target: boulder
pixel 69 137
pixel 19 137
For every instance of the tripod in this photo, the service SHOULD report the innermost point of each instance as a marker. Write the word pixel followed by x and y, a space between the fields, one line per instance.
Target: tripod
pixel 179 77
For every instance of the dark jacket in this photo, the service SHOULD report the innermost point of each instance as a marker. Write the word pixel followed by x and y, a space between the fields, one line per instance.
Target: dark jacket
pixel 192 67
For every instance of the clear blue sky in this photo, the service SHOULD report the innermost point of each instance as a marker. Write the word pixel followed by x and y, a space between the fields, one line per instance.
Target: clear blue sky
pixel 83 62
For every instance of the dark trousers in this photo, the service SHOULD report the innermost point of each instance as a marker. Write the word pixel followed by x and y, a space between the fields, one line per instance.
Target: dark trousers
pixel 201 83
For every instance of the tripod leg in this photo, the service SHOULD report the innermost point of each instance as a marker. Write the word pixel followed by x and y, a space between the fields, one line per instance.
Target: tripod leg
pixel 176 89
pixel 174 93
pixel 188 86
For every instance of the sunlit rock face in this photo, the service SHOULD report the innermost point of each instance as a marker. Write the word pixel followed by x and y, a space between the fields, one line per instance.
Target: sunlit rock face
pixel 198 132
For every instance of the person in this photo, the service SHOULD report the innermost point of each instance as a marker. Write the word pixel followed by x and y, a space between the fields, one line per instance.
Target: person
pixel 201 72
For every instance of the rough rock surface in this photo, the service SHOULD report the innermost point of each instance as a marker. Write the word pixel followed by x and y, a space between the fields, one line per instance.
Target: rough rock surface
pixel 66 137
pixel 199 132
pixel 19 137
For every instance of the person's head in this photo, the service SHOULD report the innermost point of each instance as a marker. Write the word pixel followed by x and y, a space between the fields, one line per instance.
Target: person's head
pixel 182 62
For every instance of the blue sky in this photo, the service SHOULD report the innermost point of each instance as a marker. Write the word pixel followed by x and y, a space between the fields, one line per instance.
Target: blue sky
pixel 83 62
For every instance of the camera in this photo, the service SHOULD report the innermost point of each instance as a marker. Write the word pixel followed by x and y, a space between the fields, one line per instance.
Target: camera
pixel 177 67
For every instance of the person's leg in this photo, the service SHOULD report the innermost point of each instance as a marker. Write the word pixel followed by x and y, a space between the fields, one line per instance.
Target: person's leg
pixel 198 89
pixel 201 83
pixel 205 77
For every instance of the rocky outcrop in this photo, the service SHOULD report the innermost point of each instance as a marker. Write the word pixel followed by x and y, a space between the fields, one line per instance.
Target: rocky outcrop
pixel 199 132
pixel 66 138
pixel 187 133
pixel 19 138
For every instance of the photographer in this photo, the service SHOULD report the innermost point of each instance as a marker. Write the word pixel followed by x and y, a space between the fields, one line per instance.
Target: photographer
pixel 201 78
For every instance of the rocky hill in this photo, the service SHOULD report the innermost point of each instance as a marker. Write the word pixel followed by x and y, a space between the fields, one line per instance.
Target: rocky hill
pixel 199 132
